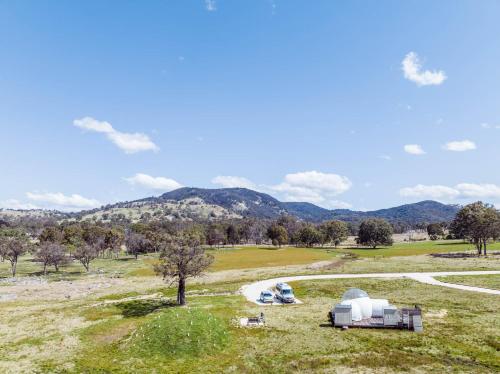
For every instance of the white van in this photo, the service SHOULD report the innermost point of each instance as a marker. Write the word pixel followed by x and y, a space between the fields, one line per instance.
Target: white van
pixel 284 293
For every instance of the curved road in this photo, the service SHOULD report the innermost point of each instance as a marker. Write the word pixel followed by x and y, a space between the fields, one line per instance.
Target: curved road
pixel 252 291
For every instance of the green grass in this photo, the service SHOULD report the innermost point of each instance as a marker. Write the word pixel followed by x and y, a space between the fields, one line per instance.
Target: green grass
pixel 461 334
pixel 485 281
pixel 417 248
pixel 258 257
pixel 236 259
pixel 179 333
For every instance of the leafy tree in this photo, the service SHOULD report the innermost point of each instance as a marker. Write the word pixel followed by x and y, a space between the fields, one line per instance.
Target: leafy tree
pixel 51 254
pixel 309 236
pixel 113 239
pixel 277 234
pixel 292 227
pixel 334 232
pixel 232 236
pixel 374 232
pixel 215 235
pixel 477 222
pixel 435 231
pixel 51 234
pixel 85 254
pixel 136 244
pixel 182 256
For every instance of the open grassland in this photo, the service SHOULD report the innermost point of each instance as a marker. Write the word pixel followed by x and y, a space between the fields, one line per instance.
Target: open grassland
pixel 485 281
pixel 250 257
pixel 118 334
pixel 418 248
pixel 120 319
pixel 257 257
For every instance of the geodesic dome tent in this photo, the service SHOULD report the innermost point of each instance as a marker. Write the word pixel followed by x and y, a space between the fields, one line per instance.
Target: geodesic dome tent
pixel 362 306
pixel 360 302
pixel 354 293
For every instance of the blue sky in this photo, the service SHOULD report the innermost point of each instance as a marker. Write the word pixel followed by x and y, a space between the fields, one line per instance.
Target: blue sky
pixel 303 100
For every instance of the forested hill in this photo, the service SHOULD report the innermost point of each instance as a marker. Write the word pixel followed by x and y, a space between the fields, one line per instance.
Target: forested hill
pixel 242 202
pixel 227 203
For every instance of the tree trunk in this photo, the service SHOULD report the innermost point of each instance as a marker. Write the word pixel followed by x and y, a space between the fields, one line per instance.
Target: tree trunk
pixel 14 265
pixel 44 269
pixel 181 291
pixel 57 267
pixel 484 246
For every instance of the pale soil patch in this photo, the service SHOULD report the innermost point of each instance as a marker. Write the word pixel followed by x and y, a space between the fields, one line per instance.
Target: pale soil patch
pixel 436 314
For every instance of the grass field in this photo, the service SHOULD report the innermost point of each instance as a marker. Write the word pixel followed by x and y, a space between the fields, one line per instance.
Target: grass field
pixel 100 323
pixel 417 248
pixel 461 334
pixel 486 281
pixel 256 257
pixel 248 257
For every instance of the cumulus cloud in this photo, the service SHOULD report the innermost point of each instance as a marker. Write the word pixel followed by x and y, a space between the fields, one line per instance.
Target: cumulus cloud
pixel 128 142
pixel 228 181
pixel 58 200
pixel 460 146
pixel 412 71
pixel 434 192
pixel 314 187
pixel 155 183
pixel 414 149
pixel 478 190
pixel 210 5
pixel 460 191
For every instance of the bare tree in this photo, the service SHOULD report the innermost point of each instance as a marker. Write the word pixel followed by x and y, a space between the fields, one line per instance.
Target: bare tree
pixel 12 247
pixel 51 254
pixel 182 257
pixel 85 254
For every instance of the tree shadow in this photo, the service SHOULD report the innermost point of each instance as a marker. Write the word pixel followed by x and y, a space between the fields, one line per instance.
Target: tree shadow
pixel 326 325
pixel 141 308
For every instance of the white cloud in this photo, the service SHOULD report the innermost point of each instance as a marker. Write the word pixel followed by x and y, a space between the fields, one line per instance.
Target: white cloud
pixel 16 204
pixel 314 187
pixel 155 183
pixel 210 5
pixel 128 142
pixel 228 181
pixel 414 149
pixel 58 200
pixel 385 157
pixel 412 71
pixel 435 192
pixel 460 146
pixel 478 190
pixel 489 126
pixel 460 191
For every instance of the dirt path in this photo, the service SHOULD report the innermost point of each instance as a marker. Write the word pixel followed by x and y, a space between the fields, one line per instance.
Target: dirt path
pixel 252 291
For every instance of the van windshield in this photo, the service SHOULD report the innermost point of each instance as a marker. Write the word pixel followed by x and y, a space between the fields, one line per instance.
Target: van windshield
pixel 286 292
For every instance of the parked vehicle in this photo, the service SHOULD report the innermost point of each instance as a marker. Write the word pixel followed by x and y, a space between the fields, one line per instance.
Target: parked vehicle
pixel 266 297
pixel 284 293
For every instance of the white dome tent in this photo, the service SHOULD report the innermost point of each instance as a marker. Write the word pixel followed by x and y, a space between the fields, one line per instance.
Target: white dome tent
pixel 363 307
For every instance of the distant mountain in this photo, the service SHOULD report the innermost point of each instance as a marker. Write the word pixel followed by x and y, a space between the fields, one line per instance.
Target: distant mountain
pixel 409 214
pixel 226 203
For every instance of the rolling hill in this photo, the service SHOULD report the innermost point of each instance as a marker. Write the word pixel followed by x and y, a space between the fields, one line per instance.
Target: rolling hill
pixel 226 203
